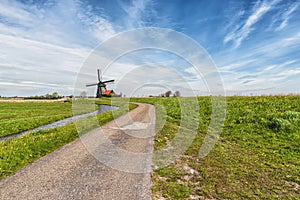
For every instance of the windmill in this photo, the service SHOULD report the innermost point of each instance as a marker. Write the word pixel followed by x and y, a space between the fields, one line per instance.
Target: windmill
pixel 101 86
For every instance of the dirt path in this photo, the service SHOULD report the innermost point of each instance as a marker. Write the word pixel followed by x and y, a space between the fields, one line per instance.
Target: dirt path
pixel 111 162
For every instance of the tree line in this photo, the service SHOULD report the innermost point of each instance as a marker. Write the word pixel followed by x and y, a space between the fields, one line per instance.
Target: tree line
pixel 169 94
pixel 54 95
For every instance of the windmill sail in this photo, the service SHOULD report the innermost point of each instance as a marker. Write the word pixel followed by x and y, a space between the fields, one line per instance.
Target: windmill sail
pixel 101 86
pixel 99 73
pixel 108 81
pixel 88 85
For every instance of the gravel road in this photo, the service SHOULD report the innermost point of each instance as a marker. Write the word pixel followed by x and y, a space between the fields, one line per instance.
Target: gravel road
pixel 111 162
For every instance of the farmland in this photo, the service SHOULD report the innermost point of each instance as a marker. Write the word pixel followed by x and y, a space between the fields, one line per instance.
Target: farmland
pixel 257 155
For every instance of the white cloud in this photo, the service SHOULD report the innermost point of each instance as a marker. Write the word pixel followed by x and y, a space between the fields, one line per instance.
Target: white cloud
pixel 286 16
pixel 265 54
pixel 161 77
pixel 242 31
pixel 46 44
pixel 67 22
pixel 25 61
pixel 264 80
pixel 279 48
pixel 236 65
pixel 14 11
pixel 43 47
pixel 292 40
pixel 136 12
pixel 280 66
pixel 96 25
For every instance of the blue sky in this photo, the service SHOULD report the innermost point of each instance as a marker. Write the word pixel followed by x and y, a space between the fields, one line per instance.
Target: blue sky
pixel 255 45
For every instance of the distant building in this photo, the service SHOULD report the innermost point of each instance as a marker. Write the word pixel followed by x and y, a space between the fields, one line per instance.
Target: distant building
pixel 108 93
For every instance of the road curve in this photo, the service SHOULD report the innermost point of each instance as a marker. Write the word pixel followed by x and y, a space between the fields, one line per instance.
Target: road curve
pixel 88 167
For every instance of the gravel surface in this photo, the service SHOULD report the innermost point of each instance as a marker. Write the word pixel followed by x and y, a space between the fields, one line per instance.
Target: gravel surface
pixel 111 162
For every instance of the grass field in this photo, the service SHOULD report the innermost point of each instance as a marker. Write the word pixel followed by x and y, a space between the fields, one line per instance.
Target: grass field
pixel 22 116
pixel 256 157
pixel 18 117
pixel 19 152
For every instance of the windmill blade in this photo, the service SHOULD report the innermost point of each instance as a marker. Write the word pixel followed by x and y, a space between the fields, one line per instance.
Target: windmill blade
pixel 88 85
pixel 99 72
pixel 108 81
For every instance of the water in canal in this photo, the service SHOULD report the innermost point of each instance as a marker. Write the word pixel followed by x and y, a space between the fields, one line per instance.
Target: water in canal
pixel 63 122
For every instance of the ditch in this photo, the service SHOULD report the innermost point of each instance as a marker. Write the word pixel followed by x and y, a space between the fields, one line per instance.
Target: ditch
pixel 63 122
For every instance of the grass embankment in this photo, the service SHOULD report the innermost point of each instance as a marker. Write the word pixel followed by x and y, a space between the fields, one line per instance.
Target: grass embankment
pixel 19 152
pixel 256 157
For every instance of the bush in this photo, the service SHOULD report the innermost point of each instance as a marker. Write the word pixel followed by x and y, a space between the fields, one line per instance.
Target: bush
pixel 278 124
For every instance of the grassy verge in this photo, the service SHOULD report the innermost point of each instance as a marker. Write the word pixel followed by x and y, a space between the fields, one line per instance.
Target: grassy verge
pixel 256 157
pixel 19 152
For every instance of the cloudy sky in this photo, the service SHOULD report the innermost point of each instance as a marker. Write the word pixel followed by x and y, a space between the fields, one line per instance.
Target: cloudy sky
pixel 255 45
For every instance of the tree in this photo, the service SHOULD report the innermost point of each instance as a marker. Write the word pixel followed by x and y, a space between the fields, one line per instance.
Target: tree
pixel 177 94
pixel 55 95
pixel 83 94
pixel 168 93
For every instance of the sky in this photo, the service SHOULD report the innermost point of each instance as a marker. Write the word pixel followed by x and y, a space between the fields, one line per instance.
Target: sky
pixel 254 45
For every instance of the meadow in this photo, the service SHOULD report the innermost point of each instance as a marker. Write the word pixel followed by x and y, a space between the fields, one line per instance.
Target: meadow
pixel 19 152
pixel 18 117
pixel 256 157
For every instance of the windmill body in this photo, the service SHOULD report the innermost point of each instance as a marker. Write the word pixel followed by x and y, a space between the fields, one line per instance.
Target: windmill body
pixel 101 86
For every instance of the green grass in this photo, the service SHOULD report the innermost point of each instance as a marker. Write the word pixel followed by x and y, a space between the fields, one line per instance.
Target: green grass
pixel 19 152
pixel 256 157
pixel 18 117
